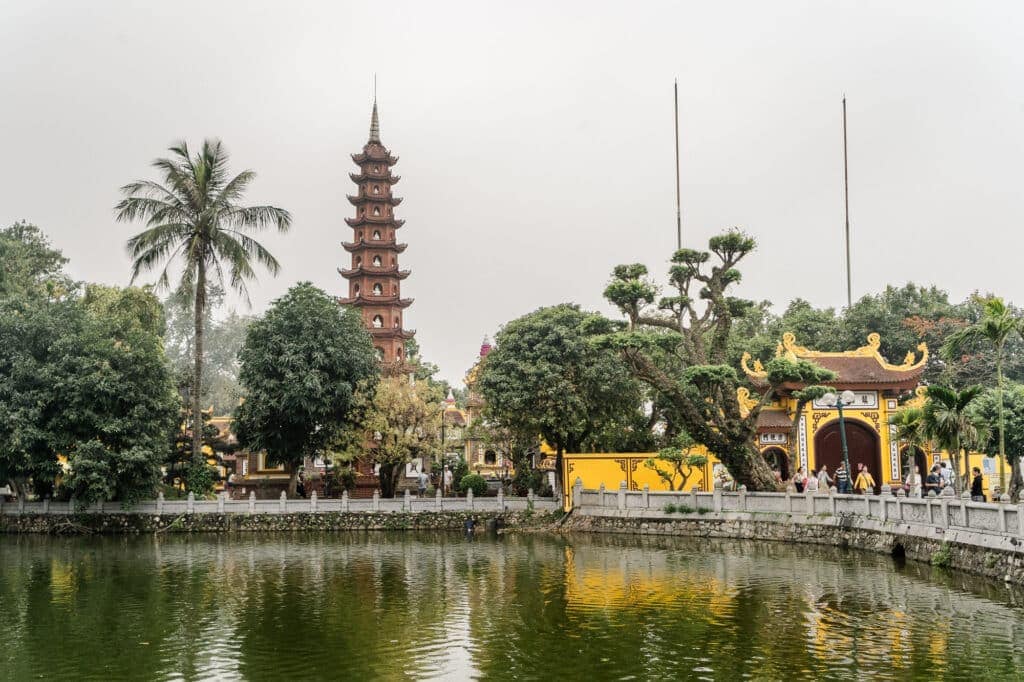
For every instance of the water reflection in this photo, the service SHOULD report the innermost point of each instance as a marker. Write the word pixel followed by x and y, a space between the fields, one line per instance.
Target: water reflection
pixel 382 606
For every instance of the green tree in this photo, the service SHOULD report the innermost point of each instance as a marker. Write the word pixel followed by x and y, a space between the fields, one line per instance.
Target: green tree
pixel 547 377
pixel 675 464
pixel 402 421
pixel 996 326
pixel 987 411
pixel 681 350
pixel 911 431
pixel 196 218
pixel 85 377
pixel 30 266
pixel 301 365
pixel 951 424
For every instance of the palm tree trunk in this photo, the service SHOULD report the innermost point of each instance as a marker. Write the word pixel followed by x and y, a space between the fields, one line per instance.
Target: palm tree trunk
pixel 1002 427
pixel 197 376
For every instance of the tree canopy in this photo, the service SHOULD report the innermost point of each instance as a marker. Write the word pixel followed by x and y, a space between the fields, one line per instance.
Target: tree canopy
pixel 301 365
pixel 546 376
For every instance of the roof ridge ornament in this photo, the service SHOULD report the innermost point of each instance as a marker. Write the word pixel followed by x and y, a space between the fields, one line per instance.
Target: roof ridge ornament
pixel 789 349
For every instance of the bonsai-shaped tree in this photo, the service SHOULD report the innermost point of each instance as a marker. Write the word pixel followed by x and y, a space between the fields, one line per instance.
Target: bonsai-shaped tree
pixel 680 350
pixel 680 460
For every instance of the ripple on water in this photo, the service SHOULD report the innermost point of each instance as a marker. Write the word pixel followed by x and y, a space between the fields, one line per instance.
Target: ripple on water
pixel 382 606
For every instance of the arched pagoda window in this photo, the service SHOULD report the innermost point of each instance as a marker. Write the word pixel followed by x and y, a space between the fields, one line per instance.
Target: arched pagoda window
pixel 380 353
pixel 376 210
pixel 376 189
pixel 378 290
pixel 376 261
pixel 378 321
pixel 376 235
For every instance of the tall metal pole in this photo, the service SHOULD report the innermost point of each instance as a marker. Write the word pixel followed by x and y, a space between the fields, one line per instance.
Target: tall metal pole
pixel 679 213
pixel 846 201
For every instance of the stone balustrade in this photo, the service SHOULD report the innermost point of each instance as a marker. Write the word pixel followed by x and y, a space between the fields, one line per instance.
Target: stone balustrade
pixel 223 505
pixel 957 518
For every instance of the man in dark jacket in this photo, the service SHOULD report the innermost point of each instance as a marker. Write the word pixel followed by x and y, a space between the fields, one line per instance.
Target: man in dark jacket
pixel 977 495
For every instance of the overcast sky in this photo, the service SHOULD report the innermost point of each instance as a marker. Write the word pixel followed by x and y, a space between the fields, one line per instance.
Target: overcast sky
pixel 536 138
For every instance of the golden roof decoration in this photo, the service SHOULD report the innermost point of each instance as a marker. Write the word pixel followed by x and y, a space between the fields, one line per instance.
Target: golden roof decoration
pixel 861 365
pixel 747 403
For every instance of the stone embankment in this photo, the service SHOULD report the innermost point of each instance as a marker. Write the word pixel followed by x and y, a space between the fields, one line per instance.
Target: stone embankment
pixel 207 522
pixel 985 539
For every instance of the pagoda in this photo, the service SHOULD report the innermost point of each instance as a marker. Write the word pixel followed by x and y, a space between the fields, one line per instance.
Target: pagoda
pixel 374 278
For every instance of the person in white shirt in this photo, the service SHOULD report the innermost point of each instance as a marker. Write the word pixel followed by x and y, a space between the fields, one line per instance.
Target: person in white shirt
pixel 946 472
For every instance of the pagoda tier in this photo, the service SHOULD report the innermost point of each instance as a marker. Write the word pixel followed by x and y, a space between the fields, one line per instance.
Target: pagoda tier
pixel 385 176
pixel 384 244
pixel 363 271
pixel 364 198
pixel 385 333
pixel 370 155
pixel 386 301
pixel 374 220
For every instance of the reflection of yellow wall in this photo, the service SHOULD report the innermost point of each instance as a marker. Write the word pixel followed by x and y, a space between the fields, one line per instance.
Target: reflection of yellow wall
pixel 612 468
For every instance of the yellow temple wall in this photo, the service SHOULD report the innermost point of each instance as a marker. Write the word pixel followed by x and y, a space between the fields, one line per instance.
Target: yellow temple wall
pixel 612 468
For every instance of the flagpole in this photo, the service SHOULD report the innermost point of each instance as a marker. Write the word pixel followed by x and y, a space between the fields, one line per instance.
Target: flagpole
pixel 846 201
pixel 679 213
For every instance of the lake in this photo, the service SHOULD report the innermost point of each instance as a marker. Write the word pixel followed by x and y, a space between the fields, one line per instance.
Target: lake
pixel 414 606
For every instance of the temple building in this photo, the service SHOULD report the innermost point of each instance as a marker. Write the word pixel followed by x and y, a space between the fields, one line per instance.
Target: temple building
pixel 374 277
pixel 485 451
pixel 877 386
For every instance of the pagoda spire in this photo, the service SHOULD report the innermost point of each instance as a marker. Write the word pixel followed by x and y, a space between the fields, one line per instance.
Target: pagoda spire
pixel 374 124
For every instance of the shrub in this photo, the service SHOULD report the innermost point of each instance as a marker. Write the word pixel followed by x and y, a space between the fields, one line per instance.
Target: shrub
pixel 941 558
pixel 474 482
pixel 200 479
pixel 670 509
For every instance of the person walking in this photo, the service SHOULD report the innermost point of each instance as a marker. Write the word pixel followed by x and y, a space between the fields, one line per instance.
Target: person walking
pixel 842 479
pixel 913 482
pixel 800 479
pixel 421 482
pixel 946 474
pixel 446 480
pixel 824 480
pixel 933 482
pixel 865 483
pixel 812 484
pixel 977 494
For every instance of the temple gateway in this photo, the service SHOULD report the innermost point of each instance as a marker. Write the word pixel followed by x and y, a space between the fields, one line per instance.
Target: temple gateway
pixel 877 385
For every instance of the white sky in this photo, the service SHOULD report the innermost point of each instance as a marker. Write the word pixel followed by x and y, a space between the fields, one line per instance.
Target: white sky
pixel 536 138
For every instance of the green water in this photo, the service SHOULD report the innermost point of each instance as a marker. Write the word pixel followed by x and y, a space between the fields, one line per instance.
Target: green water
pixel 408 606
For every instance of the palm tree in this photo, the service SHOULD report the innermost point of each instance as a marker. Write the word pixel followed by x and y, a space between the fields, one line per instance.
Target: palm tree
pixel 996 325
pixel 949 422
pixel 910 430
pixel 195 219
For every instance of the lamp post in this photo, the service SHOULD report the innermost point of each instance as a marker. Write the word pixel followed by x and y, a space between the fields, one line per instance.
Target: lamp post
pixel 839 402
pixel 440 456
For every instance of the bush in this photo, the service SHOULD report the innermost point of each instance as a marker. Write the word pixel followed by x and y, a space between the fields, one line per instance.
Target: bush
pixel 474 482
pixel 670 509
pixel 200 479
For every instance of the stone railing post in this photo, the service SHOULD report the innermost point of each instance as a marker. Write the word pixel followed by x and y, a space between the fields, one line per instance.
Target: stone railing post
pixel 693 497
pixel 600 496
pixel 501 499
pixel 344 499
pixel 312 501
pixel 190 503
pixel 620 502
pixel 867 503
pixel 1020 519
pixel 46 504
pixel 376 500
pixel 469 498
pixel 716 500
pixel 886 494
pixel 406 501
pixel 282 502
pixel 833 500
pixel 438 500
pixel 743 498
pixel 160 503
pixel 944 512
pixel 21 504
pixel 577 493
pixel 220 501
pixel 647 497
pixel 252 501
pixel 1002 514
pixel 809 502
pixel 72 505
pixel 98 506
pixel 965 497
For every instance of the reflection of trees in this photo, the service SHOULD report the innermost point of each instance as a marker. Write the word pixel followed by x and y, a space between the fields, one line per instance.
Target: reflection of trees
pixel 405 606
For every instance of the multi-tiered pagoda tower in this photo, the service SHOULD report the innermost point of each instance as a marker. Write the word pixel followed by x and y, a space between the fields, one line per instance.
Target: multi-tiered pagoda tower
pixel 374 280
